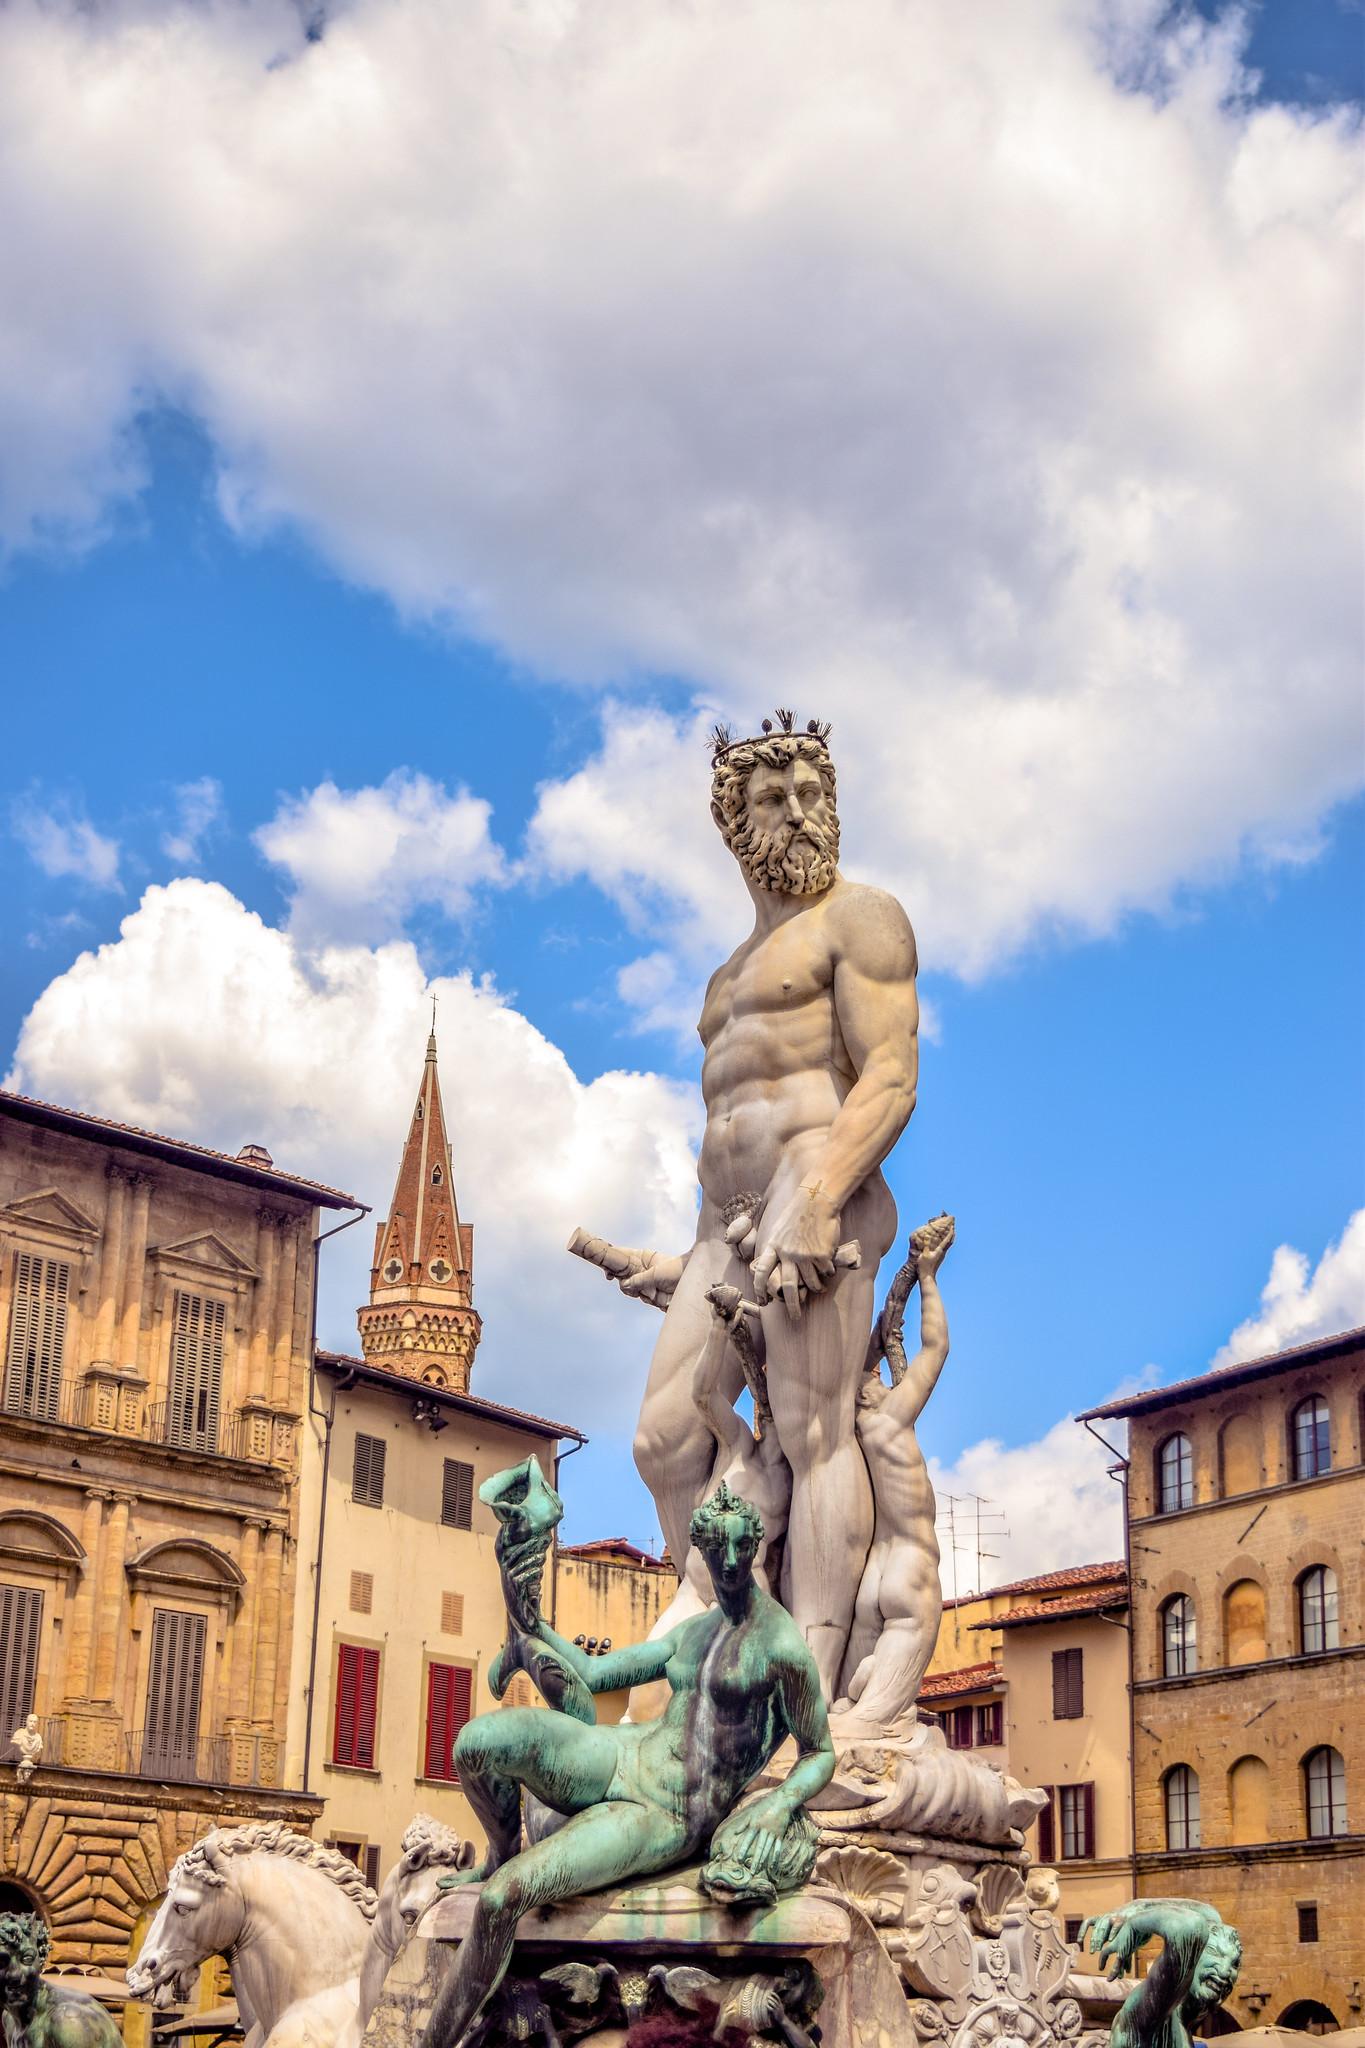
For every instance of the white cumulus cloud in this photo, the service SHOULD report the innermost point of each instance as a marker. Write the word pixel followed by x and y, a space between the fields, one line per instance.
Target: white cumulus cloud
pixel 360 861
pixel 202 1020
pixel 985 378
pixel 61 840
pixel 1301 1301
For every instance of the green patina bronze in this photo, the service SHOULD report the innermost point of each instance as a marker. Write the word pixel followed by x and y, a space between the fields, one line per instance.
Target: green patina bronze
pixel 39 2015
pixel 636 1800
pixel 1195 1971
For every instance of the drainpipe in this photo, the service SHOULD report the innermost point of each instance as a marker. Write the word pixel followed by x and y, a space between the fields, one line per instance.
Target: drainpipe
pixel 1120 1470
pixel 560 1459
pixel 325 1416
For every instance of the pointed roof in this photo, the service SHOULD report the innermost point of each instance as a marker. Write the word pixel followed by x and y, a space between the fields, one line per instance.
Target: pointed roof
pixel 422 1248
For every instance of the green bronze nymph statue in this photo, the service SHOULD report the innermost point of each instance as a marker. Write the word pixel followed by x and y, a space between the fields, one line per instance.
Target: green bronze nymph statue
pixel 644 1799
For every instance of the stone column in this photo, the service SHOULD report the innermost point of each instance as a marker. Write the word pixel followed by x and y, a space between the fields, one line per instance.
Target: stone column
pixel 267 1247
pixel 111 1623
pixel 268 1629
pixel 242 1638
pixel 78 1672
pixel 134 1269
pixel 111 1264
pixel 282 1342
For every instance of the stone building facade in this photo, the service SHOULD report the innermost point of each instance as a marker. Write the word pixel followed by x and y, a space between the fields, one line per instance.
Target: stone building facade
pixel 156 1309
pixel 402 1608
pixel 1246 1501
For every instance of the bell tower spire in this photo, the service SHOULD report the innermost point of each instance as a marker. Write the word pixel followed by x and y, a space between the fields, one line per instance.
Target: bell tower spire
pixel 420 1319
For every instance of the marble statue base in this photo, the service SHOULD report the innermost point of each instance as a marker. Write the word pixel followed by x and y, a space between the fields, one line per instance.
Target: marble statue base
pixel 931 1944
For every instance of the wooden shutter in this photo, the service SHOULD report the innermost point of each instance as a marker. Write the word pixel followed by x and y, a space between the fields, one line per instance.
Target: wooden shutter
pixel 21 1620
pixel 362 1592
pixel 372 1866
pixel 450 1690
pixel 194 1392
pixel 367 1474
pixel 357 1706
pixel 1068 1685
pixel 457 1494
pixel 1087 1847
pixel 174 1689
pixel 452 1614
pixel 37 1336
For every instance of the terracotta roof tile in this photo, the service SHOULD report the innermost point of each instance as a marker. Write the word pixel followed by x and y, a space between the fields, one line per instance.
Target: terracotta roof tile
pixel 1048 1582
pixel 1098 1601
pixel 79 1121
pixel 971 1678
pixel 619 1547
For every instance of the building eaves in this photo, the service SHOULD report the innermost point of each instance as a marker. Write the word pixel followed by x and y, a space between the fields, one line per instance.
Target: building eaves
pixel 351 1369
pixel 1050 1582
pixel 1101 1600
pixel 79 1123
pixel 615 1546
pixel 941 1685
pixel 1320 1350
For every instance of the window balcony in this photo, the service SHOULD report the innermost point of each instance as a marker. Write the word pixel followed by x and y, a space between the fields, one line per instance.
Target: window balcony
pixel 252 1760
pixel 114 1408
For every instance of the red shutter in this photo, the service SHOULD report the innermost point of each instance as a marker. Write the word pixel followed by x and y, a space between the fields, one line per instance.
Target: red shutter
pixel 357 1709
pixel 1088 1820
pixel 450 1689
pixel 1046 1842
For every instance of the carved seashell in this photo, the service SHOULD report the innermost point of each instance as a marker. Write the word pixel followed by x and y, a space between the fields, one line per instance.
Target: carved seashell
pixel 877 1884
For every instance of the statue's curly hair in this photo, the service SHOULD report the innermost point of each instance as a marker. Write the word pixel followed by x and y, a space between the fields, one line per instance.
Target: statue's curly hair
pixel 725 1506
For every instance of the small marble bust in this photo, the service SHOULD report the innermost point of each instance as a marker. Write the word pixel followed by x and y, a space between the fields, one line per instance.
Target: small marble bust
pixel 29 1743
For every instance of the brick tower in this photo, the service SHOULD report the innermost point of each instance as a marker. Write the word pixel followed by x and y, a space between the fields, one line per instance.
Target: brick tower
pixel 420 1319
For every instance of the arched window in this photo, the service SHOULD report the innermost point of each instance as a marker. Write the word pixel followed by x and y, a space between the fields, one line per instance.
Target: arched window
pixel 1311 1438
pixel 1182 1808
pixel 1179 1653
pixel 1324 1785
pixel 1239 1455
pixel 1249 1800
pixel 1319 1628
pixel 1175 1475
pixel 1244 1631
pixel 436 1176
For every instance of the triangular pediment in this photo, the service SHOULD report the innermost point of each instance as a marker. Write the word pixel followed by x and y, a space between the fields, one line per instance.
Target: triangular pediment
pixel 49 1206
pixel 207 1249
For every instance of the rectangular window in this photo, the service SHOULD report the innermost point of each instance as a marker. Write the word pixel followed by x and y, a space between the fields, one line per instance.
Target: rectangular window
pixel 346 1846
pixel 1308 1921
pixel 990 1723
pixel 367 1473
pixel 175 1681
pixel 195 1384
pixel 452 1614
pixel 958 1727
pixel 457 1494
pixel 1047 1829
pixel 362 1592
pixel 1073 1930
pixel 21 1627
pixel 1076 1813
pixel 357 1707
pixel 1068 1685
pixel 450 1689
pixel 37 1336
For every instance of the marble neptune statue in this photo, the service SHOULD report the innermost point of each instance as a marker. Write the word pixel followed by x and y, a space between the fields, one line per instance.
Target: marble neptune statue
pixel 810 1032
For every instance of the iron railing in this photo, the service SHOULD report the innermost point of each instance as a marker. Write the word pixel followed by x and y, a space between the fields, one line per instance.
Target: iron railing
pixel 203 1760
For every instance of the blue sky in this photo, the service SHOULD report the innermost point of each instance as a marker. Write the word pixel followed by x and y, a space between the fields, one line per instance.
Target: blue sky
pixel 379 530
